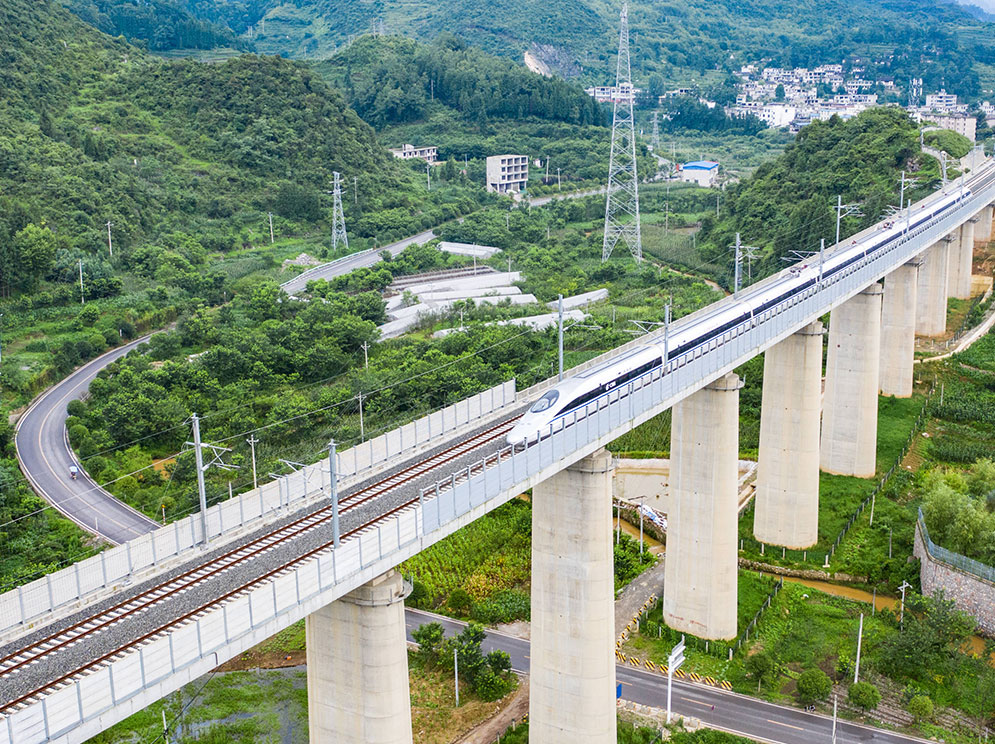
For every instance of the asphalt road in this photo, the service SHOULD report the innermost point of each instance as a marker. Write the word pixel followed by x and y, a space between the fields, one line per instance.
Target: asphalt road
pixel 369 258
pixel 729 711
pixel 351 263
pixel 45 458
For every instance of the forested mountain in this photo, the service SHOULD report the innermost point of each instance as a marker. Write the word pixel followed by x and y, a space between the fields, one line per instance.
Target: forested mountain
pixel 943 43
pixel 789 203
pixel 93 130
pixel 159 25
pixel 393 80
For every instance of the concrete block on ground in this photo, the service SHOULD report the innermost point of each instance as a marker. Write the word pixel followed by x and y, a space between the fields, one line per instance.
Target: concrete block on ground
pixel 850 414
pixel 357 667
pixel 572 694
pixel 787 495
pixel 898 331
pixel 700 594
pixel 931 292
pixel 581 300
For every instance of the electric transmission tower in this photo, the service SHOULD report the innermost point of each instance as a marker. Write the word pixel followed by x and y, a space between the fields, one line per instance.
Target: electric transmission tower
pixel 339 236
pixel 622 207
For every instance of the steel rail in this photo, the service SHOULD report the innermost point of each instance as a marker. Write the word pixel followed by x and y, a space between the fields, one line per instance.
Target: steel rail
pixel 218 565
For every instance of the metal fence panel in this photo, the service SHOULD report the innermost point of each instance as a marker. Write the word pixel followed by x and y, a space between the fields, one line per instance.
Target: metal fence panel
pixel 62 711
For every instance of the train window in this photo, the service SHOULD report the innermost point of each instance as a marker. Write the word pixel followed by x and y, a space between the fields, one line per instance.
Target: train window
pixel 545 402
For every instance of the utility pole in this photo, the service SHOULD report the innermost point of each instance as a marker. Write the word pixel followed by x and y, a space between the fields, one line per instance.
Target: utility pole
pixel 666 331
pixel 666 223
pixel 560 324
pixel 834 719
pixel 559 184
pixel 366 355
pixel 737 281
pixel 82 293
pixel 272 239
pixel 252 442
pixel 428 175
pixel 822 256
pixel 622 203
pixel 201 489
pixel 110 245
pixel 860 637
pixel 362 429
pixel 333 480
pixel 742 251
pixel 901 618
pixel 338 218
pixel 845 210
pixel 456 672
pixel 719 194
pixel 1 338
pixel 355 189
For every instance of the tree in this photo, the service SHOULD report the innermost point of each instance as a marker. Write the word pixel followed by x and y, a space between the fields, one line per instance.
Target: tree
pixel 33 256
pixel 864 695
pixel 933 630
pixel 761 667
pixel 460 601
pixel 921 708
pixel 779 92
pixel 429 638
pixel 814 684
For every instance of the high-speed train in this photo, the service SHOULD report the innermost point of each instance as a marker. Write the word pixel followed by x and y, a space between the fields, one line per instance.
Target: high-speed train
pixel 551 410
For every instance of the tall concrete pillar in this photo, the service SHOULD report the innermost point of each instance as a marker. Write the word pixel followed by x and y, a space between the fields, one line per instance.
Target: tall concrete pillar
pixel 357 667
pixel 850 412
pixel 983 234
pixel 931 293
pixel 700 590
pixel 959 259
pixel 787 496
pixel 572 680
pixel 991 233
pixel 898 330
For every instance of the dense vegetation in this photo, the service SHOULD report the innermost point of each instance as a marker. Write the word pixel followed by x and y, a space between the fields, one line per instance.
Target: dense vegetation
pixel 680 41
pixel 789 203
pixel 92 131
pixel 392 80
pixel 155 24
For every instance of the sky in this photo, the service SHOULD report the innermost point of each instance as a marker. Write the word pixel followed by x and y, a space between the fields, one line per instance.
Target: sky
pixel 988 5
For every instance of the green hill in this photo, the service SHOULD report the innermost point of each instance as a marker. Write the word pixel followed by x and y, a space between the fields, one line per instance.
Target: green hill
pixel 94 130
pixel 682 40
pixel 155 24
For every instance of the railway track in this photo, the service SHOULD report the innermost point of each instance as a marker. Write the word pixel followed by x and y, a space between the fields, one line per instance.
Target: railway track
pixel 80 631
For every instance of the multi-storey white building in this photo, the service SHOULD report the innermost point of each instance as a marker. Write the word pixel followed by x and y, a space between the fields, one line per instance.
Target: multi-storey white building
pixel 941 101
pixel 408 152
pixel 507 174
pixel 624 93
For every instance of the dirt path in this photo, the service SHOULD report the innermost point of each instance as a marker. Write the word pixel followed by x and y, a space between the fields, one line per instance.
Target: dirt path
pixel 489 731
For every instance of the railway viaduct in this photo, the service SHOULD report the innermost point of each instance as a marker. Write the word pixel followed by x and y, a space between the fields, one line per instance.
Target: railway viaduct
pixel 87 646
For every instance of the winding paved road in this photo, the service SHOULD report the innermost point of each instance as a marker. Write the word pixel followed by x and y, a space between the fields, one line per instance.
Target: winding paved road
pixel 729 711
pixel 45 458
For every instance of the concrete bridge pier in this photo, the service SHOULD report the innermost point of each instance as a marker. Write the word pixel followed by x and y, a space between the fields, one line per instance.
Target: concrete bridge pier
pixel 991 232
pixel 959 261
pixel 931 293
pixel 572 684
pixel 850 413
pixel 898 330
pixel 357 667
pixel 983 233
pixel 700 590
pixel 787 497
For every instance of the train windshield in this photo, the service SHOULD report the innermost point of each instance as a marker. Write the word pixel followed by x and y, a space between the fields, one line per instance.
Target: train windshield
pixel 545 402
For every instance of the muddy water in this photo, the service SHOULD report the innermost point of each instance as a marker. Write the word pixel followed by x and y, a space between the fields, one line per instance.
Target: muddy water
pixel 975 644
pixel 654 546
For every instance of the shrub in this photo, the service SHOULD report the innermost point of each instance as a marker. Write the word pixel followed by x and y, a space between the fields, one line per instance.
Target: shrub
pixel 76 408
pixel 921 707
pixel 429 638
pixel 460 601
pixel 864 695
pixel 505 606
pixel 813 685
pixel 760 666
